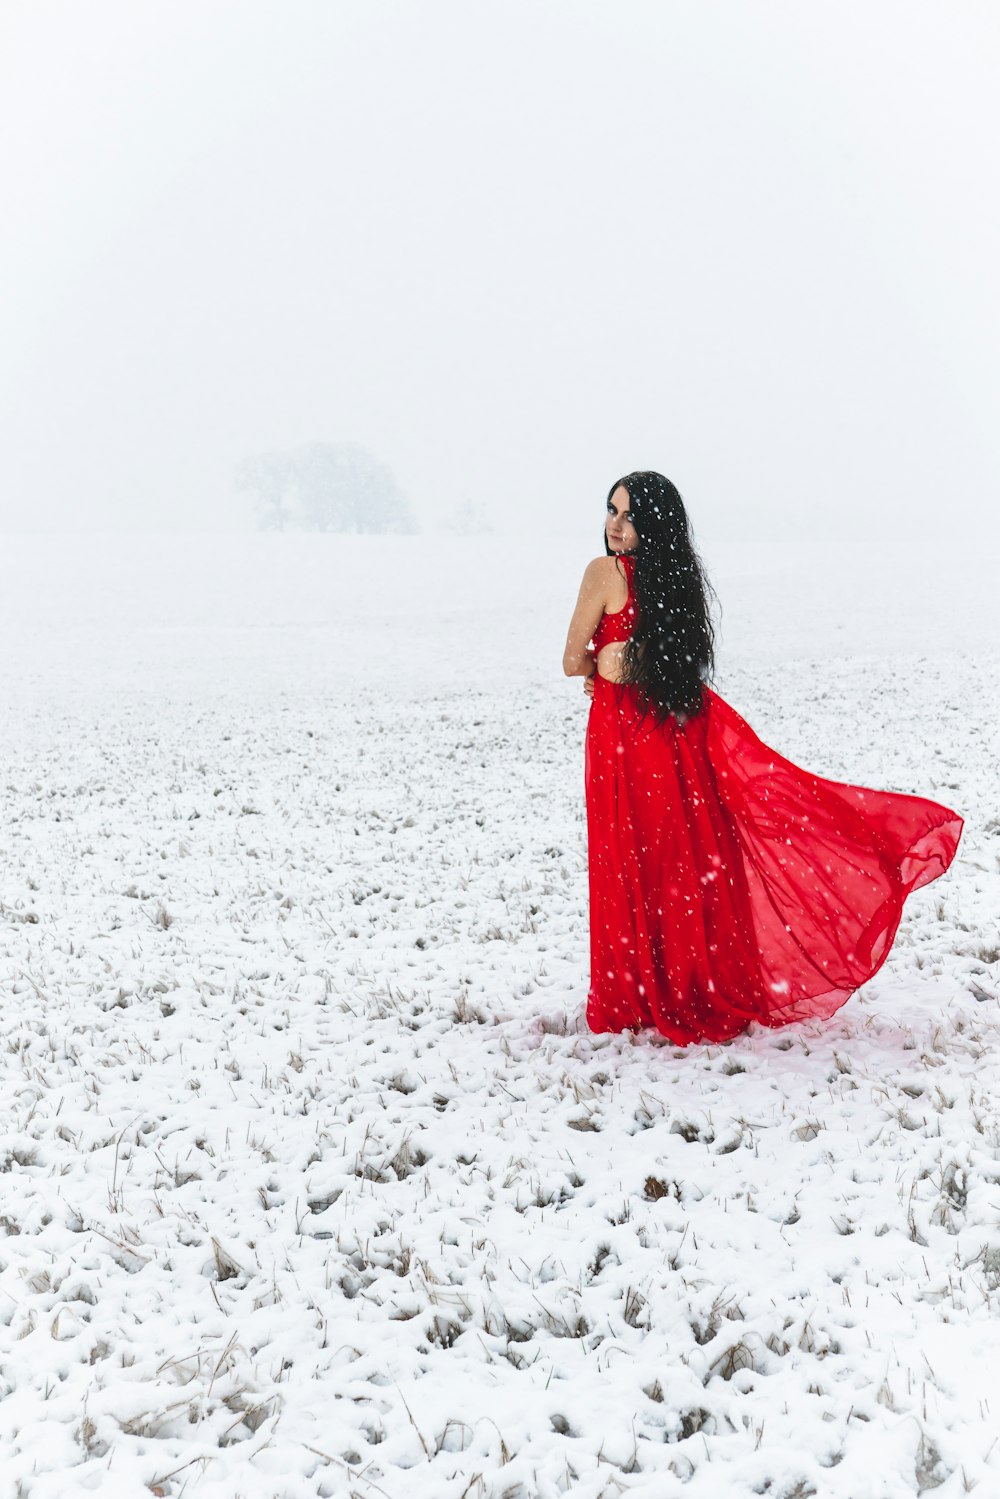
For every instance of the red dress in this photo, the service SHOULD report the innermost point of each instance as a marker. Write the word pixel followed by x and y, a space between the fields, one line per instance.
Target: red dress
pixel 728 885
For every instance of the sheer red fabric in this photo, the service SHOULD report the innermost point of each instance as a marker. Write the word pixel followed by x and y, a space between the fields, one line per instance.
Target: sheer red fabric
pixel 728 885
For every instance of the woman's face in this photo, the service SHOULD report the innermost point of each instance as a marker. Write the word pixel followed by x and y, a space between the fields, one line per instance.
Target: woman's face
pixel 621 533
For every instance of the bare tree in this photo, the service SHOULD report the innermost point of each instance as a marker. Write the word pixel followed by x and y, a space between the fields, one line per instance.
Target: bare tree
pixel 325 486
pixel 469 519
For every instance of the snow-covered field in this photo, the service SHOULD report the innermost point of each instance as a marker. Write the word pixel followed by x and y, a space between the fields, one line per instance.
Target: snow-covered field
pixel 313 1181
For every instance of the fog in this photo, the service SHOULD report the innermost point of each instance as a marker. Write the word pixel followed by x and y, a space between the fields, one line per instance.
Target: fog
pixel 515 251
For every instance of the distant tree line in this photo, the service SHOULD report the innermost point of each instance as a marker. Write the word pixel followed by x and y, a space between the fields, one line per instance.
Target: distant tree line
pixel 324 486
pixel 469 518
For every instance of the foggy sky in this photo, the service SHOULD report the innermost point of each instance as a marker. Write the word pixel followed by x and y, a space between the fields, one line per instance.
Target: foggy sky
pixel 516 250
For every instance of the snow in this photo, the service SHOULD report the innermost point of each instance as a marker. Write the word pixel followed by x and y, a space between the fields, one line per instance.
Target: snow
pixel 312 1179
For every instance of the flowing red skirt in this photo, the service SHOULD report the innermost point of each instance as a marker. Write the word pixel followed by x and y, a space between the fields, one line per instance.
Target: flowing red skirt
pixel 728 885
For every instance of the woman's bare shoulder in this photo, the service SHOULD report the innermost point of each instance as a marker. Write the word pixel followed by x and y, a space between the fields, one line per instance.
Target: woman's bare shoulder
pixel 597 573
pixel 602 567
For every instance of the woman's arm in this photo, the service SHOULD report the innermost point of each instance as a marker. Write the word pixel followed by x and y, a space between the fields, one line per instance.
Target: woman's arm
pixel 578 661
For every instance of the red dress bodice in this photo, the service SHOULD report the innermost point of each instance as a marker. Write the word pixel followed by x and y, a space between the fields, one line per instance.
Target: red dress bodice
pixel 620 624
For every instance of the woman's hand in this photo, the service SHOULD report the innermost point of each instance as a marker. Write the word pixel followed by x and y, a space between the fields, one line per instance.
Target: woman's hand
pixel 588 684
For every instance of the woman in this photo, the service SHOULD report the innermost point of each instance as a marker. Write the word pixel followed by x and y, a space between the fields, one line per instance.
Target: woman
pixel 727 885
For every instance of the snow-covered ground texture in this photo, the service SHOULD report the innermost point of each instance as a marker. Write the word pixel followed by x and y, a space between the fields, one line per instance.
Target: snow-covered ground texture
pixel 313 1181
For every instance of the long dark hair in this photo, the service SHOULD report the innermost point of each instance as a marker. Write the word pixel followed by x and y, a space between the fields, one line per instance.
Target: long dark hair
pixel 671 594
